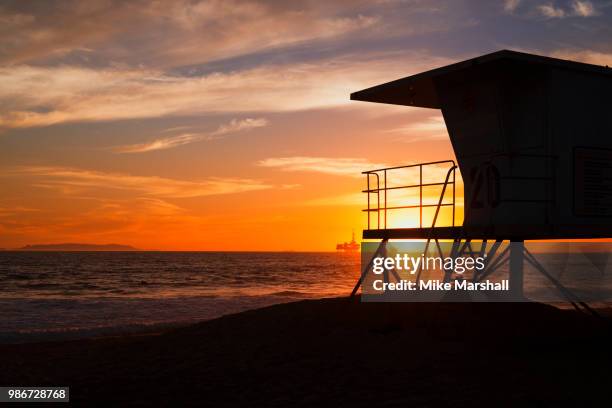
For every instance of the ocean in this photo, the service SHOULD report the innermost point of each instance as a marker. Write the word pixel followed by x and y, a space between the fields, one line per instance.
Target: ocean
pixel 59 295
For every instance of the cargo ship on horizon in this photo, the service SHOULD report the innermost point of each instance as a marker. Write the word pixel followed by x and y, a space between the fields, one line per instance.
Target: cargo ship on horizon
pixel 352 246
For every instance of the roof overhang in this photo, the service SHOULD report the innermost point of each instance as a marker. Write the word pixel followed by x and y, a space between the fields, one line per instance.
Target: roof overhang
pixel 419 90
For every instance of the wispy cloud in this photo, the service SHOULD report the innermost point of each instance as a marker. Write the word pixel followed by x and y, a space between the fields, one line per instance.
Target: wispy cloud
pixel 236 125
pixel 550 11
pixel 577 8
pixel 588 56
pixel 15 210
pixel 79 181
pixel 165 143
pixel 511 5
pixel 327 165
pixel 104 220
pixel 353 167
pixel 431 128
pixel 168 33
pixel 233 126
pixel 40 96
pixel 584 8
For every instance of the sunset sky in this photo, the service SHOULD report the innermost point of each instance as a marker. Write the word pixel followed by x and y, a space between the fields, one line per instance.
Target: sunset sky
pixel 227 125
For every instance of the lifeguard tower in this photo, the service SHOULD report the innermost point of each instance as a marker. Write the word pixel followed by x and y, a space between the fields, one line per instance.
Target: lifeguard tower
pixel 532 136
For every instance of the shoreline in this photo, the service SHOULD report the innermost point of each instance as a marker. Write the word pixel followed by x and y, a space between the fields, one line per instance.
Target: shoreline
pixel 9 337
pixel 339 351
pixel 27 320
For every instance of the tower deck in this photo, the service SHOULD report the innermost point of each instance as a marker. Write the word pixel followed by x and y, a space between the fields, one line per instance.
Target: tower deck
pixel 497 232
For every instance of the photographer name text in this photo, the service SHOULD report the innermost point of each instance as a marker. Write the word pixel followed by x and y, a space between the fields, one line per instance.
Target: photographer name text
pixel 437 285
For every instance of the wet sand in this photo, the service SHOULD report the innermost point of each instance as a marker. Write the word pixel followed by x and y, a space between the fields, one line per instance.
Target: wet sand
pixel 339 352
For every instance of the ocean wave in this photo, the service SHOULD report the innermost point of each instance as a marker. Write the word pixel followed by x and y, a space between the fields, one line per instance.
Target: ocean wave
pixel 293 293
pixel 96 293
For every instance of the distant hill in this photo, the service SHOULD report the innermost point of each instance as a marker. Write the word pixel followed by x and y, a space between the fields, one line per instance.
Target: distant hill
pixel 78 247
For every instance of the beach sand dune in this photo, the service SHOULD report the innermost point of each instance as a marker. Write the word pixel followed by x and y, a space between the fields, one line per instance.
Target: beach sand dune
pixel 339 352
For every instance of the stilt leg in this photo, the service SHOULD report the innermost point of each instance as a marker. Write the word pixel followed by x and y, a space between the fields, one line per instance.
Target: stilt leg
pixel 515 280
pixel 381 247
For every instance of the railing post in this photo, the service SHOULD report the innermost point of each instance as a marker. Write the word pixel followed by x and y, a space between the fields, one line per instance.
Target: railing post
pixel 420 196
pixel 368 192
pixel 454 173
pixel 377 200
pixel 385 199
pixel 441 200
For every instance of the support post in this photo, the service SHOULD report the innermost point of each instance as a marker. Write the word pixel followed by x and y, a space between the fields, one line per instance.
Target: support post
pixel 453 254
pixel 515 278
pixel 381 247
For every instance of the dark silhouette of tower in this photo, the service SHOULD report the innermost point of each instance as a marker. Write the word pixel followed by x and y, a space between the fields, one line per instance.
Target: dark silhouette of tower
pixel 533 140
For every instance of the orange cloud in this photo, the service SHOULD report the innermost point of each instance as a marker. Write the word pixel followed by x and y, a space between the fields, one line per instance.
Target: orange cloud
pixel 588 56
pixel 335 166
pixel 353 167
pixel 78 181
pixel 431 128
pixel 186 138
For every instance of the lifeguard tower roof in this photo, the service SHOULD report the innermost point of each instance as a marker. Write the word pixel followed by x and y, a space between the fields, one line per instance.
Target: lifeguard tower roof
pixel 532 137
pixel 419 89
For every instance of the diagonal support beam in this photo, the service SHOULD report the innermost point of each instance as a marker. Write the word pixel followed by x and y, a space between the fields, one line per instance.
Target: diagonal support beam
pixel 381 247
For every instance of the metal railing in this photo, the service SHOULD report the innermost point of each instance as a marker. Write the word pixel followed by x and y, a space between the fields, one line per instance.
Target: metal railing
pixel 378 209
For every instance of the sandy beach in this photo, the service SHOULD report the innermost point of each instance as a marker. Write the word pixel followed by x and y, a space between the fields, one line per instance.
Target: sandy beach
pixel 338 352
